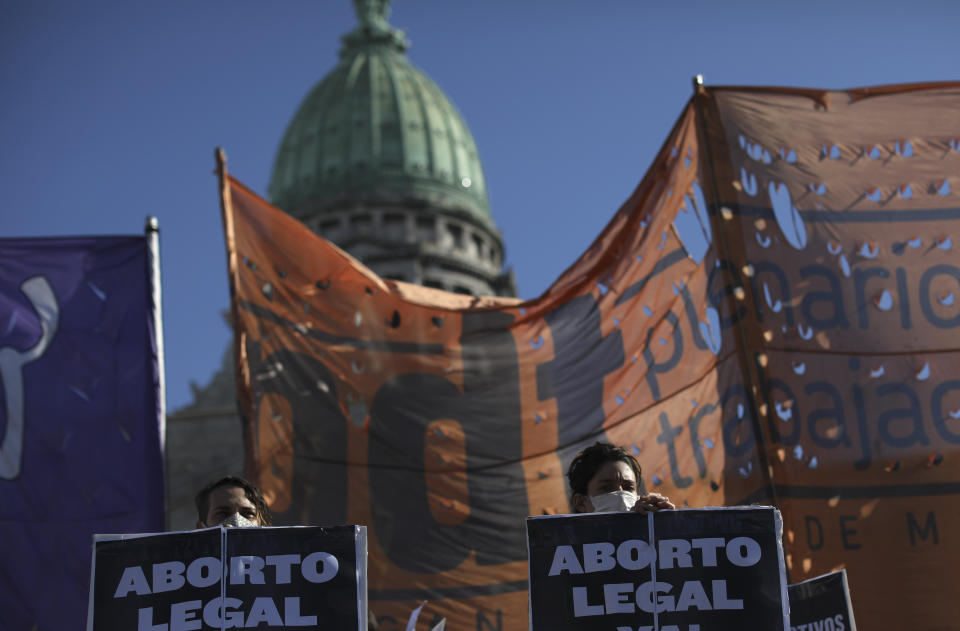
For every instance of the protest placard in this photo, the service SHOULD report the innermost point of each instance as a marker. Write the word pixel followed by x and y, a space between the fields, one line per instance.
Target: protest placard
pixel 822 604
pixel 223 578
pixel 682 570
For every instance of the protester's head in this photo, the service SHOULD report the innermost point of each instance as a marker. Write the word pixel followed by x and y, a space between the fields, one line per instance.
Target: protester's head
pixel 231 501
pixel 604 477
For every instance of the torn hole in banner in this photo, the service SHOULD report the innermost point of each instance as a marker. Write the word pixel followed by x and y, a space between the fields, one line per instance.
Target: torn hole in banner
pixel 775 305
pixel 711 330
pixel 788 217
pixel 754 151
pixel 904 149
pixel 844 265
pixel 788 154
pixel 784 410
pixel 748 182
pixel 869 250
pixel 831 151
pixel 356 409
pixel 884 300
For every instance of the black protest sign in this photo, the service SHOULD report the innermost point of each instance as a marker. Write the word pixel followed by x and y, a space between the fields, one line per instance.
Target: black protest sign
pixel 822 604
pixel 682 570
pixel 150 582
pixel 725 568
pixel 223 578
pixel 299 577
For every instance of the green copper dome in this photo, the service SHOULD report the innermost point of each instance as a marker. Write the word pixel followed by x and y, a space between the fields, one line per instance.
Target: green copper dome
pixel 378 130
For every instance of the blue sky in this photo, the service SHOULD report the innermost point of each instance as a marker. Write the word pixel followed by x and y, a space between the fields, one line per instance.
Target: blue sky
pixel 110 110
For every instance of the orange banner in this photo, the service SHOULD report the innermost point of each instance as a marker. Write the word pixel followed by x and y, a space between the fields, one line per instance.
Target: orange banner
pixel 839 212
pixel 751 323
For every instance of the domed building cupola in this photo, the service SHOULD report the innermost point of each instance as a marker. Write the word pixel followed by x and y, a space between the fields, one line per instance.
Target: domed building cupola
pixel 378 160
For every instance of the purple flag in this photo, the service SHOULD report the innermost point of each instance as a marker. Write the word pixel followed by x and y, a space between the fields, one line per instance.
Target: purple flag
pixel 80 417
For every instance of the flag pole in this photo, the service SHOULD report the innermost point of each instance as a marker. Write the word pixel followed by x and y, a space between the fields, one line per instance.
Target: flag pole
pixel 152 236
pixel 251 457
pixel 747 361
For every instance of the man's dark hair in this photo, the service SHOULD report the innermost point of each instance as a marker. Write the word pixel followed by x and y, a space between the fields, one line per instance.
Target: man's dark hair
pixel 586 464
pixel 253 494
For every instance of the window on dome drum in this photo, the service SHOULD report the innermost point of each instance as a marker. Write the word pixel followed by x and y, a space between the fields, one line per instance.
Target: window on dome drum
pixel 478 245
pixel 456 233
pixel 394 226
pixel 361 223
pixel 435 284
pixel 459 289
pixel 328 227
pixel 426 229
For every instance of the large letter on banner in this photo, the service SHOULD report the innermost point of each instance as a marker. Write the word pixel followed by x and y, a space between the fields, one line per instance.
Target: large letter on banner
pixel 80 418
pixel 763 320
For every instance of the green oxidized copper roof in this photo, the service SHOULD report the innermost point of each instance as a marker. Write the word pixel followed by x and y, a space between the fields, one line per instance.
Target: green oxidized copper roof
pixel 377 129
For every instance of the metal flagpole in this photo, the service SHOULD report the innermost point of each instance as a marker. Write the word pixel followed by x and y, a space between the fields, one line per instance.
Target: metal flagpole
pixel 152 235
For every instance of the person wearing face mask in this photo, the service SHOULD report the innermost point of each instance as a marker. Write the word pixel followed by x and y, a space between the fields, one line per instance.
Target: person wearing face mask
pixel 231 501
pixel 604 477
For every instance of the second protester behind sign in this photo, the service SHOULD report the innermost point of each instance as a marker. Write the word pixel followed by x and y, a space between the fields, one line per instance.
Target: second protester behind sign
pixel 604 477
pixel 231 501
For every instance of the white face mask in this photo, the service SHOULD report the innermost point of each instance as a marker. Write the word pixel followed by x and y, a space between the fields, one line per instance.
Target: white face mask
pixel 615 501
pixel 237 521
